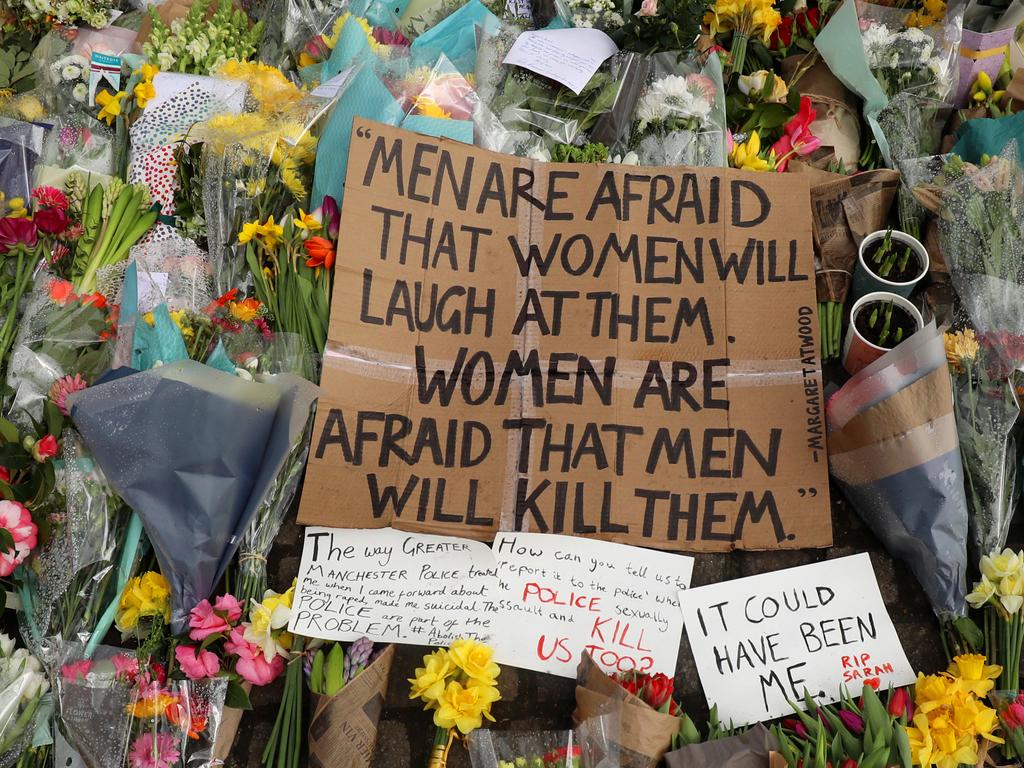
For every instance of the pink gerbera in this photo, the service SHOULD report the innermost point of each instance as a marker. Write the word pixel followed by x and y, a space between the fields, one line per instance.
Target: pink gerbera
pixel 63 387
pixel 154 751
pixel 18 522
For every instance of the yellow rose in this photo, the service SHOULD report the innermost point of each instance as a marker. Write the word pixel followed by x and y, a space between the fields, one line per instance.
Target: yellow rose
pixel 430 679
pixel 465 707
pixel 972 674
pixel 146 596
pixel 475 659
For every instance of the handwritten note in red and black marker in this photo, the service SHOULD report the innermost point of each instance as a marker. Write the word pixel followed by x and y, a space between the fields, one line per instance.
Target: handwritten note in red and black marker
pixel 764 639
pixel 563 595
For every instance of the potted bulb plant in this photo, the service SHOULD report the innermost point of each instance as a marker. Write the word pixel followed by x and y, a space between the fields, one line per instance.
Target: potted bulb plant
pixel 879 322
pixel 889 261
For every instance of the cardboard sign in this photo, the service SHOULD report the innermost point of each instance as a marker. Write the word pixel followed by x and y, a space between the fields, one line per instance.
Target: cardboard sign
pixel 599 350
pixel 762 640
pixel 566 595
pixel 393 587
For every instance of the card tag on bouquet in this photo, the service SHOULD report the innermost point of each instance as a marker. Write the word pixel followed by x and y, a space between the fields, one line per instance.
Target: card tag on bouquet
pixel 570 56
pixel 104 72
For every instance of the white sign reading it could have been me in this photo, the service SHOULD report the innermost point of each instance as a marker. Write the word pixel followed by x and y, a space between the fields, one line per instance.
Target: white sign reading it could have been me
pixel 565 595
pixel 393 587
pixel 761 640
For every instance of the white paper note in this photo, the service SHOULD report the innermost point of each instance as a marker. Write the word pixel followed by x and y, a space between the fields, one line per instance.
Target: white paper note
pixel 570 56
pixel 565 594
pixel 393 587
pixel 760 640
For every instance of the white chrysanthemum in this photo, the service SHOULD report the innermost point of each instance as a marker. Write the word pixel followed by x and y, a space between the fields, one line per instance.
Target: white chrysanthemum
pixel 70 72
pixel 80 93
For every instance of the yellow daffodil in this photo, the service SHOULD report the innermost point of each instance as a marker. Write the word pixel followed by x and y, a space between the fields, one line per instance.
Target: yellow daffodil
pixel 983 592
pixel 747 155
pixel 1011 593
pixel 267 623
pixel 973 674
pixel 748 18
pixel 307 221
pixel 111 105
pixel 144 93
pixel 271 233
pixel 145 596
pixel 998 565
pixel 148 72
pixel 249 230
pixel 961 349
pixel 476 660
pixel 431 678
pixel 465 707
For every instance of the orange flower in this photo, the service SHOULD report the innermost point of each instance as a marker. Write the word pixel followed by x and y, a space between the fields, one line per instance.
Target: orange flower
pixel 61 291
pixel 97 299
pixel 179 716
pixel 320 252
pixel 244 311
pixel 152 702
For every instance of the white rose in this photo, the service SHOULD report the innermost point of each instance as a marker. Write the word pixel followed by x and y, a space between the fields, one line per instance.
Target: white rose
pixel 35 686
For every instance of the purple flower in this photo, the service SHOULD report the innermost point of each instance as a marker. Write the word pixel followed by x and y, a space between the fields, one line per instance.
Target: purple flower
pixel 331 216
pixel 854 723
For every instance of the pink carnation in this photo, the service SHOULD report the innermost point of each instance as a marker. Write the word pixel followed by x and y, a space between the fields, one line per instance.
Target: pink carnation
pixel 126 666
pixel 252 664
pixel 195 663
pixel 18 521
pixel 76 670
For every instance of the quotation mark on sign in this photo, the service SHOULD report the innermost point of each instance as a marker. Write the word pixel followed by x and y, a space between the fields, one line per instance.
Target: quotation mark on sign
pixel 812 492
pixel 363 133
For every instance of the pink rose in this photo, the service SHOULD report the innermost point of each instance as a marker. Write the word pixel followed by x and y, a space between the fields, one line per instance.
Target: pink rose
pixel 18 521
pixel 252 664
pixel 204 621
pixel 228 606
pixel 648 8
pixel 195 663
pixel 76 670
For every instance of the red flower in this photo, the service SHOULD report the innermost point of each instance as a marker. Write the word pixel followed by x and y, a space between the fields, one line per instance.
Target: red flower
pixel 782 37
pixel 17 232
pixel 227 298
pixel 97 300
pixel 1013 716
pixel 797 138
pixel 901 703
pixel 5 475
pixel 61 291
pixel 849 763
pixel 320 252
pixel 45 449
pixel 658 690
pixel 796 726
pixel 50 197
pixel 52 221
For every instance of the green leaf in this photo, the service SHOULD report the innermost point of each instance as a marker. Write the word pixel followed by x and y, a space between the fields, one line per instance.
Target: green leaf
pixel 54 419
pixel 970 632
pixel 9 432
pixel 237 697
pixel 6 540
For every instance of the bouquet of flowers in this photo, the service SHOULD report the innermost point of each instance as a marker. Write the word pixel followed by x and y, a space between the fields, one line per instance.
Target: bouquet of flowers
pixel 23 685
pixel 459 685
pixel 680 115
pixel 864 732
pixel 981 233
pixel 200 43
pixel 1010 705
pixel 906 59
pixel 94 13
pixel 1000 595
pixel 592 744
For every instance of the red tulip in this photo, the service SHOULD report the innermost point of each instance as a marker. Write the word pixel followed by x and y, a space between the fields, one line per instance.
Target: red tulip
pixel 17 232
pixel 658 690
pixel 900 703
pixel 320 252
